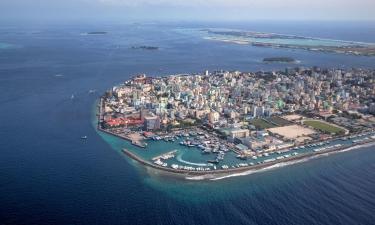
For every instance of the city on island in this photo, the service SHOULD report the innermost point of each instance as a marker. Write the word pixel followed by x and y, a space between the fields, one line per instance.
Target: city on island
pixel 231 121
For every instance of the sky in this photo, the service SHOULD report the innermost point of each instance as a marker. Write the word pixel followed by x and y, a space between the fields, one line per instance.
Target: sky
pixel 186 10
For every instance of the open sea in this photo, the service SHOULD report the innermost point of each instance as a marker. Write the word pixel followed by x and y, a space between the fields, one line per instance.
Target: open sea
pixel 48 175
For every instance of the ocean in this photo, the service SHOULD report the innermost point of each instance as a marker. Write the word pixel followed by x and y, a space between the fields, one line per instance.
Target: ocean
pixel 50 176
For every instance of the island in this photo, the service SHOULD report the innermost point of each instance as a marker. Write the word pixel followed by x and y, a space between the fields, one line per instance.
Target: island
pixel 279 59
pixel 145 47
pixel 96 33
pixel 273 40
pixel 224 122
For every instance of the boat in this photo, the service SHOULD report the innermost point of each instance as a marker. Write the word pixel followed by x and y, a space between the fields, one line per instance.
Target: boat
pixel 84 137
pixel 243 157
pixel 139 144
pixel 206 151
pixel 269 160
pixel 214 161
pixel 220 156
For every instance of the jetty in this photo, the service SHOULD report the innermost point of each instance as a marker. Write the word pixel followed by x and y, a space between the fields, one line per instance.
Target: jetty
pixel 165 156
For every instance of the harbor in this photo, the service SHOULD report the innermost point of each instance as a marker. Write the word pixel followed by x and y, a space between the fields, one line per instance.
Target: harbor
pixel 187 160
pixel 288 156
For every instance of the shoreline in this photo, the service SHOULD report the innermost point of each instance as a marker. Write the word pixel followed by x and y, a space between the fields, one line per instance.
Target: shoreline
pixel 253 168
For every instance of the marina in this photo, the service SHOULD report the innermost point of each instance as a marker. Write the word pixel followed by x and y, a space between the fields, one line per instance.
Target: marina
pixel 168 160
pixel 235 167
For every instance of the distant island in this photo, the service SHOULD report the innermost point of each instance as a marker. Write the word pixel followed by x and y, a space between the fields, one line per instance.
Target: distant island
pixel 97 33
pixel 145 47
pixel 273 40
pixel 279 59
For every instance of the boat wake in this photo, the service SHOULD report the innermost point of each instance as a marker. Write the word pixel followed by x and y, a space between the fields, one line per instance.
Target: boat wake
pixel 214 177
pixel 189 163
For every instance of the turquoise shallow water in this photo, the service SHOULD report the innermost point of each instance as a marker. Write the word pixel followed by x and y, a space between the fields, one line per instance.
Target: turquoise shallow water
pixel 232 186
pixel 241 186
pixel 193 157
pixel 5 45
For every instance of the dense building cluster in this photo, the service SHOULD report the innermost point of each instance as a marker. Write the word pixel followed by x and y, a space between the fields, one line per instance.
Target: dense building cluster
pixel 224 99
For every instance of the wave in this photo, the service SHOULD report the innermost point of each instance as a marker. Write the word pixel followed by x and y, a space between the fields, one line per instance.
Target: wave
pixel 275 166
pixel 213 177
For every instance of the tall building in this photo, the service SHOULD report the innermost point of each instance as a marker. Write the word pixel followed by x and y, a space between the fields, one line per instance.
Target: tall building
pixel 255 109
pixel 213 117
pixel 151 123
pixel 239 133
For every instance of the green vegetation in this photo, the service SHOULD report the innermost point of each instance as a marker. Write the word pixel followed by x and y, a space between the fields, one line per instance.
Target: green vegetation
pixel 279 121
pixel 261 124
pixel 324 127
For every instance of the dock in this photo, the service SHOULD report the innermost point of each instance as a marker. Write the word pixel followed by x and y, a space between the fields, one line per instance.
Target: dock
pixel 228 170
pixel 167 155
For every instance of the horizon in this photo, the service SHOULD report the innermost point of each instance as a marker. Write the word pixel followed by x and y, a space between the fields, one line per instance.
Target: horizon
pixel 44 11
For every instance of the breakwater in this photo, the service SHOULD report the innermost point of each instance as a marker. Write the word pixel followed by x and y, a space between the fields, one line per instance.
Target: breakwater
pixel 240 169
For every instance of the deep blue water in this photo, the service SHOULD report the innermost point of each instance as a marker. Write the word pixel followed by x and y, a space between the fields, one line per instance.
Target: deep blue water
pixel 50 176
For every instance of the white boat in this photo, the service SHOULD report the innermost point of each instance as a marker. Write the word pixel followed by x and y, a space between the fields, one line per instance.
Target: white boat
pixel 269 160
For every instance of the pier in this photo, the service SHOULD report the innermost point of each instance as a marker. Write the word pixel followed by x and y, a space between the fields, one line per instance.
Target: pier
pixel 165 155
